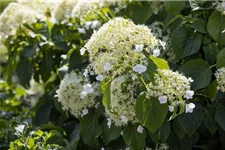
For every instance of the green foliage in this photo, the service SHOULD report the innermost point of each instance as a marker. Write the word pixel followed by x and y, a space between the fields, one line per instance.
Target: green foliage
pixel 216 26
pixel 134 139
pixel 148 110
pixel 199 71
pixel 185 42
pixel 40 54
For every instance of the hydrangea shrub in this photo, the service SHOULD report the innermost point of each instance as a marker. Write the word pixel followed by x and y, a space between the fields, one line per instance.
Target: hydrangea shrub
pixel 112 75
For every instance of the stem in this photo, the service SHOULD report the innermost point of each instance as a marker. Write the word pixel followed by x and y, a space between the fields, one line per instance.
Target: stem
pixel 200 94
pixel 142 80
pixel 212 66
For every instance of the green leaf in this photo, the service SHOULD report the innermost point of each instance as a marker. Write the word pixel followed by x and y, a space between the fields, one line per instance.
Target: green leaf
pixel 160 63
pixel 199 25
pixel 149 110
pixel 161 134
pixel 75 60
pixel 211 52
pixel 90 129
pixel 212 90
pixel 111 133
pixel 24 71
pixel 209 121
pixel 75 137
pixel 220 115
pixel 185 42
pixel 136 9
pixel 106 90
pixel 30 143
pixel 178 129
pixel 199 71
pixel 54 137
pixel 220 60
pixel 215 27
pixel 150 72
pixel 43 114
pixel 3 124
pixel 133 138
pixel 191 121
pixel 29 51
pixel 174 6
pixel 187 143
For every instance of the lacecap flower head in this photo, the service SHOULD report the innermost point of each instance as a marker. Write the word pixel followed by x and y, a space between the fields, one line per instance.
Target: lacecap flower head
pixel 124 92
pixel 170 86
pixel 77 94
pixel 220 79
pixel 120 43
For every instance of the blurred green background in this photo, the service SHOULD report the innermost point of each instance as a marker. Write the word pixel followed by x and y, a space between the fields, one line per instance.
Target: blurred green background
pixel 4 4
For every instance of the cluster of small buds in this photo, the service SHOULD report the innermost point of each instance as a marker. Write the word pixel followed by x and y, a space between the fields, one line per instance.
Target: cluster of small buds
pixel 120 44
pixel 77 94
pixel 170 87
pixel 220 79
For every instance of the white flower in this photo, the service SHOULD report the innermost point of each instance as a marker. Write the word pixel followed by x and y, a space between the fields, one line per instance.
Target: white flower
pixel 102 148
pixel 190 79
pixel 162 99
pixel 140 129
pixel 92 73
pixel 82 51
pixel 63 56
pixel 109 122
pixel 107 66
pixel 32 34
pixel 124 119
pixel 223 5
pixel 95 24
pixel 83 94
pixel 163 44
pixel 189 107
pixel 156 52
pixel 84 112
pixel 139 48
pixel 85 74
pixel 189 94
pixel 20 129
pixel 81 30
pixel 171 108
pixel 139 68
pixel 100 77
pixel 87 24
pixel 88 88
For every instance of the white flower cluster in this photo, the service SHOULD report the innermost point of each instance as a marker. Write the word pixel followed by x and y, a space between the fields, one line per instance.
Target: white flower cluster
pixel 171 87
pixel 220 79
pixel 41 6
pixel 122 108
pixel 64 10
pixel 14 15
pixel 77 94
pixel 85 8
pixel 118 45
